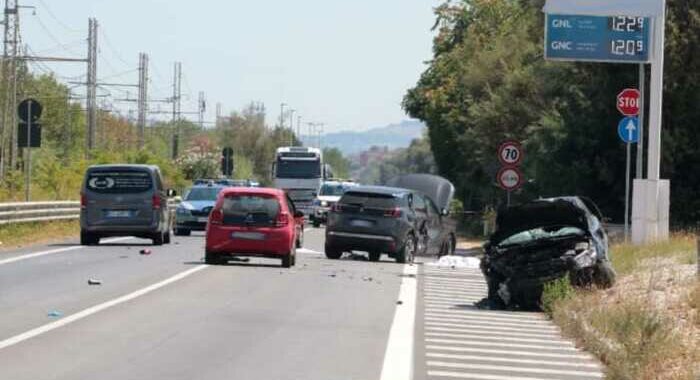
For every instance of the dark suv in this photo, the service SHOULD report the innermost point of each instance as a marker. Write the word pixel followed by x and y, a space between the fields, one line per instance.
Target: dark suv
pixel 376 220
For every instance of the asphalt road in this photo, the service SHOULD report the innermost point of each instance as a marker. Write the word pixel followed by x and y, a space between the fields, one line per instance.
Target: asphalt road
pixel 168 316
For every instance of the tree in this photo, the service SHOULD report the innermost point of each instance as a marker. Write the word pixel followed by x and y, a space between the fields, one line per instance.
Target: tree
pixel 339 164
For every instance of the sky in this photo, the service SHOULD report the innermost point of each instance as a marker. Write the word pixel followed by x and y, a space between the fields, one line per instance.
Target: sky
pixel 344 63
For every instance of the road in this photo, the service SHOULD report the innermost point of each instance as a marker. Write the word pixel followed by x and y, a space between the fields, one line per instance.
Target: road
pixel 167 316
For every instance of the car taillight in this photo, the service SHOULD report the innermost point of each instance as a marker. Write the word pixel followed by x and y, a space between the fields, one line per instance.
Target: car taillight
pixel 83 201
pixel 156 202
pixel 282 219
pixel 393 213
pixel 216 216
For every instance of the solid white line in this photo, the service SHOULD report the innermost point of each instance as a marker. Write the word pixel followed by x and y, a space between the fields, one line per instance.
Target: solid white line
pixel 398 357
pixel 495 321
pixel 452 289
pixel 552 341
pixel 96 309
pixel 486 367
pixel 509 352
pixel 493 334
pixel 52 251
pixel 512 360
pixel 454 281
pixel 476 376
pixel 470 302
pixel 502 345
pixel 463 298
pixel 488 327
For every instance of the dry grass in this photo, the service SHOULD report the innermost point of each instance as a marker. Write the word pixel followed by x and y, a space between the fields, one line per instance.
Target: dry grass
pixel 19 235
pixel 648 325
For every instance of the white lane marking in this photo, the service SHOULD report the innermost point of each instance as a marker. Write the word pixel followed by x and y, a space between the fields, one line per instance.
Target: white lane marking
pixel 487 327
pixel 305 251
pixel 96 309
pixel 476 376
pixel 57 250
pixel 452 289
pixel 491 322
pixel 551 341
pixel 513 360
pixel 485 313
pixel 502 345
pixel 398 357
pixel 493 334
pixel 481 350
pixel 486 367
pixel 463 298
pixel 434 281
pixel 469 302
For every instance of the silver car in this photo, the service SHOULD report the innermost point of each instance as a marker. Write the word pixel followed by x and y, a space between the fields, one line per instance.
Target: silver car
pixel 124 200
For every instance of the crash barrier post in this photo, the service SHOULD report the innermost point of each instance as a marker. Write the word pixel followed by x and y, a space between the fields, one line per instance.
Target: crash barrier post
pixel 26 212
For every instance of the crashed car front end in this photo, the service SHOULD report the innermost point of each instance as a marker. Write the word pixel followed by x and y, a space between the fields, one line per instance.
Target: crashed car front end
pixel 541 242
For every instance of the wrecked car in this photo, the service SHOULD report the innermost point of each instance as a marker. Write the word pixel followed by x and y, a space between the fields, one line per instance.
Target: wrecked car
pixel 542 241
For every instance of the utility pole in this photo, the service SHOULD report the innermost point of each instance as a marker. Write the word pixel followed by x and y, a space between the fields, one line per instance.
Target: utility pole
pixel 301 143
pixel 218 113
pixel 291 127
pixel 202 108
pixel 143 98
pixel 282 105
pixel 9 66
pixel 92 85
pixel 177 97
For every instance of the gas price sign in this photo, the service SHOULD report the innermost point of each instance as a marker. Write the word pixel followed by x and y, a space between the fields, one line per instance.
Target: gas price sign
pixel 597 38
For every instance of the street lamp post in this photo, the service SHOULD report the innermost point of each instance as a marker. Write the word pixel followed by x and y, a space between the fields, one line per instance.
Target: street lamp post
pixel 291 127
pixel 282 105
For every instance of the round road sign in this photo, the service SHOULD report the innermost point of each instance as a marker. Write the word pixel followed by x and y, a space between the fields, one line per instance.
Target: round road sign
pixel 29 107
pixel 510 153
pixel 510 178
pixel 628 102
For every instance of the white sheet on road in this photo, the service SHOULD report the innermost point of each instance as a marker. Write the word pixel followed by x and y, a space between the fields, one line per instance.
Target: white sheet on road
pixel 456 262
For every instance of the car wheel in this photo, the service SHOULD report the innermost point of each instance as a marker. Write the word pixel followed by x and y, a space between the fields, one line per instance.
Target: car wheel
pixel 448 248
pixel 211 259
pixel 157 238
pixel 87 238
pixel 316 224
pixel 333 253
pixel 287 260
pixel 374 256
pixel 408 251
pixel 604 275
pixel 166 237
pixel 300 240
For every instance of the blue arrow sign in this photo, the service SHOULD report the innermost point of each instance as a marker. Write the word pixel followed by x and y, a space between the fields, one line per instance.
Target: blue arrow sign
pixel 628 130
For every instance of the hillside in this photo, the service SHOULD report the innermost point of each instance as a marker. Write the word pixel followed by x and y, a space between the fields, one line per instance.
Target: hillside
pixel 392 136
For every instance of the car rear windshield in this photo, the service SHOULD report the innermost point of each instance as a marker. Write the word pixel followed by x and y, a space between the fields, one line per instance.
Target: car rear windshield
pixel 250 210
pixel 370 200
pixel 203 194
pixel 119 181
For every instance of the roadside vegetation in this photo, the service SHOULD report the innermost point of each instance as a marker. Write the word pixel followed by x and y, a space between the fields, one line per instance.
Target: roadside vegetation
pixel 648 325
pixel 23 234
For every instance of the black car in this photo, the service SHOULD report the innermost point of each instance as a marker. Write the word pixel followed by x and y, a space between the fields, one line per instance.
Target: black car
pixel 542 241
pixel 437 230
pixel 376 220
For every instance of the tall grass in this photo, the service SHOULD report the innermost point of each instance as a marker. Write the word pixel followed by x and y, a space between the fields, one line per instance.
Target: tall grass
pixel 626 258
pixel 20 234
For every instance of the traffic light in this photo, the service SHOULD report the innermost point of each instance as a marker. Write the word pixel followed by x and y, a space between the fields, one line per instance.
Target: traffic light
pixel 227 162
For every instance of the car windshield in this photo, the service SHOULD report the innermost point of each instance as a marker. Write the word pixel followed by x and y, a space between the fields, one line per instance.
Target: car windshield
pixel 541 233
pixel 332 190
pixel 250 210
pixel 298 168
pixel 203 194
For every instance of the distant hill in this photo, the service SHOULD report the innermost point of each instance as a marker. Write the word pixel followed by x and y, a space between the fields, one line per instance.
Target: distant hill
pixel 392 136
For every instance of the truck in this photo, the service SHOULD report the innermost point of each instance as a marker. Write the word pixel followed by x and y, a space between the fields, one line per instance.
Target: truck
pixel 299 171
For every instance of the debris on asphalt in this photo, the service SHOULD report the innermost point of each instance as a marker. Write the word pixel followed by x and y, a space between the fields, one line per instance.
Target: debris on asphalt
pixel 367 278
pixel 456 262
pixel 145 251
pixel 332 275
pixel 55 314
pixel 399 302
pixel 93 281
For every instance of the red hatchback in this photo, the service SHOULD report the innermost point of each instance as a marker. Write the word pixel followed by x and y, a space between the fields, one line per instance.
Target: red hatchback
pixel 253 222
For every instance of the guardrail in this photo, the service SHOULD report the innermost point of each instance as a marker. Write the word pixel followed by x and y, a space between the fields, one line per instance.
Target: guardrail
pixel 25 212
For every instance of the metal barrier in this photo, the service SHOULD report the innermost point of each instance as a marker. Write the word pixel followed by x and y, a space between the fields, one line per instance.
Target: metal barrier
pixel 25 212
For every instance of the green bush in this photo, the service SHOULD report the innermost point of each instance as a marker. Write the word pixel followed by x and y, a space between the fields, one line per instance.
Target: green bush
pixel 554 292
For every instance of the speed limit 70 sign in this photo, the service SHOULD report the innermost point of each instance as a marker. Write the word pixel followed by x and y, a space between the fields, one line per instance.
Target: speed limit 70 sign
pixel 510 153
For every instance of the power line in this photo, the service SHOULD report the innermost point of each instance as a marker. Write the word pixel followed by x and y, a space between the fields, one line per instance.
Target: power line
pixel 58 21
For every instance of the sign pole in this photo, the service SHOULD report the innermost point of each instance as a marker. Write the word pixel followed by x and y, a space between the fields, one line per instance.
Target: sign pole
pixel 28 170
pixel 640 143
pixel 508 198
pixel 627 191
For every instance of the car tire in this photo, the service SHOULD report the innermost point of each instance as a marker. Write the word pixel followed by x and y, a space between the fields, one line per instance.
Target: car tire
pixel 182 232
pixel 166 237
pixel 300 241
pixel 604 275
pixel 157 238
pixel 408 251
pixel 287 260
pixel 211 259
pixel 448 248
pixel 316 223
pixel 374 256
pixel 333 253
pixel 87 238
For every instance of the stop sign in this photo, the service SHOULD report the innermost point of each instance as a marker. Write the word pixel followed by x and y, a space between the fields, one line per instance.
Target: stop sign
pixel 628 102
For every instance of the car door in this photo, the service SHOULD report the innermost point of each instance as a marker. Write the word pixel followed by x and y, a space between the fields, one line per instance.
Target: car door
pixel 436 232
pixel 298 221
pixel 422 220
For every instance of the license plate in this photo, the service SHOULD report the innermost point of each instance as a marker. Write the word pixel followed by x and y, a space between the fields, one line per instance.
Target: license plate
pixel 361 223
pixel 248 235
pixel 202 220
pixel 118 213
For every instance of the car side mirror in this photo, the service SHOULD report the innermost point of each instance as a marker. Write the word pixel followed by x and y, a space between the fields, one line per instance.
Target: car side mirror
pixel 298 214
pixel 170 193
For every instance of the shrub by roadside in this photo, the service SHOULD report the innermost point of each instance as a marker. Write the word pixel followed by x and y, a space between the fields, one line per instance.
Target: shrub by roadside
pixel 648 325
pixel 22 234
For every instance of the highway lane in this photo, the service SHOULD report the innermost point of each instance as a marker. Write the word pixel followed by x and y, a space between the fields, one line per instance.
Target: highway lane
pixel 320 320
